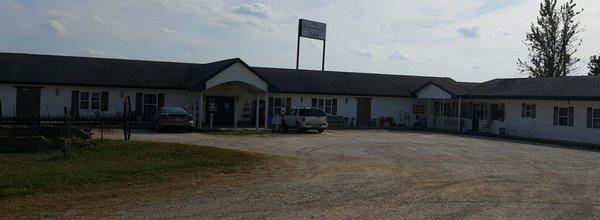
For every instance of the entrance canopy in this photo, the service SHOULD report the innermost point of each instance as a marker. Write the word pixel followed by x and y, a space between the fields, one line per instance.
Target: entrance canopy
pixel 240 75
pixel 432 91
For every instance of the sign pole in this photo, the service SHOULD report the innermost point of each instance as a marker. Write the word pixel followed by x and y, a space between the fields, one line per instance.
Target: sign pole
pixel 298 46
pixel 323 61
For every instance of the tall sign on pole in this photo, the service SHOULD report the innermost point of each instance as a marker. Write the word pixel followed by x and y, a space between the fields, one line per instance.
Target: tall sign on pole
pixel 314 30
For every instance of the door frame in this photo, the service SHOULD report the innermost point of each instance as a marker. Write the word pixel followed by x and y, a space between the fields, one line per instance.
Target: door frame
pixel 39 98
pixel 207 112
pixel 370 110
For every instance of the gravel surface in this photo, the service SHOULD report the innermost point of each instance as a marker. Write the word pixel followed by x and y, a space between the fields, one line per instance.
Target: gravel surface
pixel 386 174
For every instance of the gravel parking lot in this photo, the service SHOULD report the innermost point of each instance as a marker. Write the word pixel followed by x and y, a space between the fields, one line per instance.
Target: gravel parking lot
pixel 389 174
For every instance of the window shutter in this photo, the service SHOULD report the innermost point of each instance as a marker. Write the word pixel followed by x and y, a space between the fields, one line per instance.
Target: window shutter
pixel 571 116
pixel 271 104
pixel 334 107
pixel 313 103
pixel 590 120
pixel 533 110
pixel 523 110
pixel 104 102
pixel 75 103
pixel 555 115
pixel 161 100
pixel 288 104
pixel 139 99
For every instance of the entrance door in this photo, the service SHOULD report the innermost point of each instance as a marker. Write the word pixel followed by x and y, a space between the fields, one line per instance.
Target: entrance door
pixel 222 109
pixel 363 111
pixel 28 102
pixel 476 115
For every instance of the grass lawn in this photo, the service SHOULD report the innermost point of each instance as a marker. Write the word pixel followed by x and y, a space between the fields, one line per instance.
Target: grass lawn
pixel 112 162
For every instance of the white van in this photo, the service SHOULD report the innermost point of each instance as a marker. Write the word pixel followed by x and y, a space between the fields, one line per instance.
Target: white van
pixel 304 119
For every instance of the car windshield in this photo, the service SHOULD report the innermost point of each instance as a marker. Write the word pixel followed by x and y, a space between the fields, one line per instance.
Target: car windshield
pixel 311 112
pixel 174 111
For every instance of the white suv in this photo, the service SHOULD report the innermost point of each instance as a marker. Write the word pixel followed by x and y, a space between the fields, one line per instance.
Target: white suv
pixel 304 119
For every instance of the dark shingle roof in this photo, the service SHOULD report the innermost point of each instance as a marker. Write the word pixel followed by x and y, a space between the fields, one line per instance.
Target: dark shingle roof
pixel 66 70
pixel 571 87
pixel 349 83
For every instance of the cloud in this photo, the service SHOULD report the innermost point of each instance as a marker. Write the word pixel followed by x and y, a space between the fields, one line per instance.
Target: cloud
pixel 357 49
pixel 384 25
pixel 165 31
pixel 55 27
pixel 470 31
pixel 99 54
pixel 256 9
pixel 12 5
pixel 55 14
pixel 397 55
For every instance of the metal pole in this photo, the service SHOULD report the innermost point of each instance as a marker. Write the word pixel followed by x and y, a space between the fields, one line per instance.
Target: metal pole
pixel 200 111
pixel 428 113
pixel 323 62
pixel 211 122
pixel 234 115
pixel 266 111
pixel 257 110
pixel 443 107
pixel 298 46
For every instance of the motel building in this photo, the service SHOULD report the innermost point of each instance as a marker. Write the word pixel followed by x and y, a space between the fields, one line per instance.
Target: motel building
pixel 232 94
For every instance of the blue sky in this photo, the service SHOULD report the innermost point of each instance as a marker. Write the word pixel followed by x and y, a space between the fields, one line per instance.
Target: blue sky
pixel 468 40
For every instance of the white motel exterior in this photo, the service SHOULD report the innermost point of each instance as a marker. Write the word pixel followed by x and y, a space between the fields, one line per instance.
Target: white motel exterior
pixel 560 109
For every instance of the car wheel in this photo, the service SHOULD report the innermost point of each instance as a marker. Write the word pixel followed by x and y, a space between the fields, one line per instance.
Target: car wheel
pixel 321 130
pixel 284 126
pixel 299 128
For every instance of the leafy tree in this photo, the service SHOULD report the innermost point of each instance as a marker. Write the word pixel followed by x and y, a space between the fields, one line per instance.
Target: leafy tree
pixel 594 66
pixel 553 41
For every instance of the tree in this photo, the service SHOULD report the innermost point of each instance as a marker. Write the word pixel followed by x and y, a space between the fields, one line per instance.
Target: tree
pixel 553 41
pixel 594 66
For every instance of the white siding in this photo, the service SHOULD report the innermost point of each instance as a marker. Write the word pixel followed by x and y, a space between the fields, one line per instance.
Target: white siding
pixel 431 91
pixel 542 125
pixel 53 105
pixel 237 72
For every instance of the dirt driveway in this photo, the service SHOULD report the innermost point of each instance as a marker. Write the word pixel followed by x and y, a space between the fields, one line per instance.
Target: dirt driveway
pixel 391 174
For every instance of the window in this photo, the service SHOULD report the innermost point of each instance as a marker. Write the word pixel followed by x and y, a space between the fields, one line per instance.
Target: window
pixel 279 105
pixel 85 100
pixel 327 105
pixel 418 109
pixel 89 100
pixel 593 118
pixel 528 110
pixel 563 116
pixel 150 105
pixel 596 119
pixel 497 111
pixel 95 103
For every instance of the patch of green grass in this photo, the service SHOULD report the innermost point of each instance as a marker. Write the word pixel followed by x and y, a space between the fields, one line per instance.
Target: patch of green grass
pixel 112 162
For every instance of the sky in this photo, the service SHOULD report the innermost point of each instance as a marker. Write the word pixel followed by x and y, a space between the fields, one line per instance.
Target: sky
pixel 467 40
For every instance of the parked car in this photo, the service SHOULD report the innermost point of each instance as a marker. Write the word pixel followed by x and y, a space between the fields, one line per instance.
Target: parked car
pixel 304 119
pixel 171 117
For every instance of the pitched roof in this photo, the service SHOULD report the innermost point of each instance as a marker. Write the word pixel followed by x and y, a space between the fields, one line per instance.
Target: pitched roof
pixel 67 70
pixel 569 88
pixel 349 83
